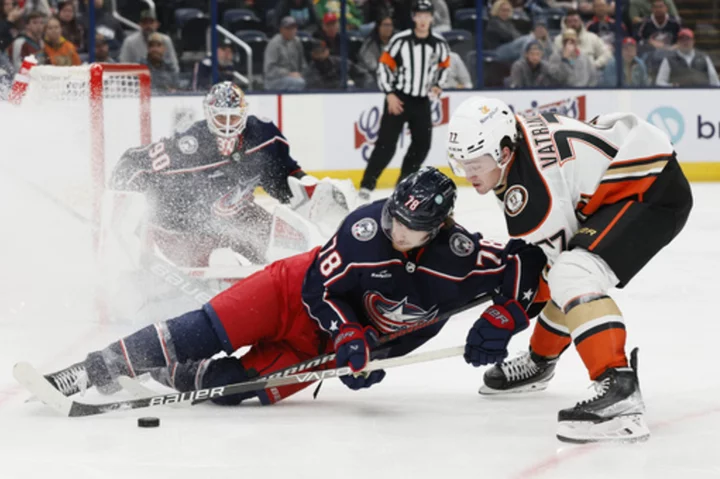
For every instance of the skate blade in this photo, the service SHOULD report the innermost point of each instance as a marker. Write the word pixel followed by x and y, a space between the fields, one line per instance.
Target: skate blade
pixel 622 429
pixel 528 388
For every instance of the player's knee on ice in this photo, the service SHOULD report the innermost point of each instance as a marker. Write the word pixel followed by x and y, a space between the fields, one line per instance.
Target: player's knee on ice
pixel 224 371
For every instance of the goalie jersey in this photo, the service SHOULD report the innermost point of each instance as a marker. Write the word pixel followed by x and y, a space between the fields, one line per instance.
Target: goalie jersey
pixel 359 277
pixel 564 170
pixel 194 175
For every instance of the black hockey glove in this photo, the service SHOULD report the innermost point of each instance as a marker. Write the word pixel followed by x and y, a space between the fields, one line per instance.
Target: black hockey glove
pixel 488 339
pixel 352 348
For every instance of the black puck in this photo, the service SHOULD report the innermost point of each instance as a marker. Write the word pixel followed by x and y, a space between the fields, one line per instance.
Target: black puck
pixel 149 422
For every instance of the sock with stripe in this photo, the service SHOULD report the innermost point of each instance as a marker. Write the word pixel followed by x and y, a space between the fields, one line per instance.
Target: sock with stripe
pixel 598 331
pixel 550 337
pixel 187 337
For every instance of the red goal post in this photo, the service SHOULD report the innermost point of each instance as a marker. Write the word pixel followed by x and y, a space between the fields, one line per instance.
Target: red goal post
pixel 111 104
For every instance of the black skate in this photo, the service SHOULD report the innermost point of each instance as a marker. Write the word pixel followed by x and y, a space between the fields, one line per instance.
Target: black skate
pixel 614 414
pixel 528 372
pixel 71 380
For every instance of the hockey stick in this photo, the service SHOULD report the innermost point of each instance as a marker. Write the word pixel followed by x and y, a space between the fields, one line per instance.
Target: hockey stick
pixel 139 390
pixel 35 382
pixel 385 339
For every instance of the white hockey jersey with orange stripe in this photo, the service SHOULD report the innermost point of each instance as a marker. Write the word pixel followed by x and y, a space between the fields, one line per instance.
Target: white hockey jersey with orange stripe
pixel 564 170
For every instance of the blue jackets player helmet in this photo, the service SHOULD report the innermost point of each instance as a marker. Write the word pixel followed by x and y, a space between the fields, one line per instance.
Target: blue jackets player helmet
pixel 226 110
pixel 421 203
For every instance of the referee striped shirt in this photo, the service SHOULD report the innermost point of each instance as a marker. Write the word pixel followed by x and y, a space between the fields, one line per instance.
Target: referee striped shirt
pixel 412 65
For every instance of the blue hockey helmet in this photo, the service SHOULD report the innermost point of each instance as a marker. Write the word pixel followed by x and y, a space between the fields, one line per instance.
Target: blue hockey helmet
pixel 226 110
pixel 421 202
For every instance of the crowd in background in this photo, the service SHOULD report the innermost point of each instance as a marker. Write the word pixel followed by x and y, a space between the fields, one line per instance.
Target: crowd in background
pixel 297 43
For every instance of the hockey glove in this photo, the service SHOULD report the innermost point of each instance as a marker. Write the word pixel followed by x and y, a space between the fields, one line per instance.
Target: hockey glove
pixel 352 348
pixel 488 339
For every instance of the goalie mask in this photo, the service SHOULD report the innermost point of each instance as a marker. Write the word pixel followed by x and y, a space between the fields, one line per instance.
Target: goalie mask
pixel 226 110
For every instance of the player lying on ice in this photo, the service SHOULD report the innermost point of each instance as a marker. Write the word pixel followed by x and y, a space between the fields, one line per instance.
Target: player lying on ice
pixel 601 199
pixel 393 263
pixel 199 185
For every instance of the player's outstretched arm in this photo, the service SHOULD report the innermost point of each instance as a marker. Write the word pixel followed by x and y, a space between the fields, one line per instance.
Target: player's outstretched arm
pixel 489 337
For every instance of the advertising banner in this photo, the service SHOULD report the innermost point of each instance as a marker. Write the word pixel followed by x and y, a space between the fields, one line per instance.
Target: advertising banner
pixel 337 132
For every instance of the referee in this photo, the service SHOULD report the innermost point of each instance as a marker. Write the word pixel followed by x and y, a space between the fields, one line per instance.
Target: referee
pixel 414 64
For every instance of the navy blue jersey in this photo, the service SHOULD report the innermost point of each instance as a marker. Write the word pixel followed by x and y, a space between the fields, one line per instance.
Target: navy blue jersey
pixel 359 277
pixel 194 175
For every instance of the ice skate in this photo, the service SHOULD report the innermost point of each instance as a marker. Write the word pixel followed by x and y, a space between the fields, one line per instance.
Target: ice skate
pixel 528 372
pixel 614 414
pixel 71 380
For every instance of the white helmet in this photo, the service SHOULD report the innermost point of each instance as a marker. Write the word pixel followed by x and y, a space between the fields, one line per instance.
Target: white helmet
pixel 477 128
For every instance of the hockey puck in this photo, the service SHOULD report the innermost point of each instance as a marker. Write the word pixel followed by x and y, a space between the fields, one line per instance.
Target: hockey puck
pixel 149 422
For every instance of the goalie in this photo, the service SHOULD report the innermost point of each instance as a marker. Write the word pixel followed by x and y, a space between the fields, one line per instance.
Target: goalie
pixel 199 186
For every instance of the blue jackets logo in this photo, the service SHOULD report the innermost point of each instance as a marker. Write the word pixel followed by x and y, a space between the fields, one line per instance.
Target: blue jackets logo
pixel 389 316
pixel 670 121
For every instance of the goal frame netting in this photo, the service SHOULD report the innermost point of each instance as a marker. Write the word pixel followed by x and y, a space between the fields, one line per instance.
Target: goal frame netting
pixel 96 83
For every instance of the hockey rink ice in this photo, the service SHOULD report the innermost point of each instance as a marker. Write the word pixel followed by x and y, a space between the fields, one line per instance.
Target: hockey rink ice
pixel 423 421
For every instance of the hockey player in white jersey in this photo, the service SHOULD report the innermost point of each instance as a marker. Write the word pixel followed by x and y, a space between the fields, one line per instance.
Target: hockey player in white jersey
pixel 601 198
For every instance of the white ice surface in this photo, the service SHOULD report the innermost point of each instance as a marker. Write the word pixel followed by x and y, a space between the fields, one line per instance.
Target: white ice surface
pixel 424 421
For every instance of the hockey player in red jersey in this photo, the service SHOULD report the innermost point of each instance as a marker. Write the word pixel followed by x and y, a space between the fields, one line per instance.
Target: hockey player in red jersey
pixel 393 263
pixel 601 199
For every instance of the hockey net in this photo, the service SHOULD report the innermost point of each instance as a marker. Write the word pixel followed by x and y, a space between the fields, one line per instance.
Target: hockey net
pixel 82 119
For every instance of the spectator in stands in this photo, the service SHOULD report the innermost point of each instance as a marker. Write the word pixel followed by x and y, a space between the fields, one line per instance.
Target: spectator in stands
pixel 603 25
pixel 639 10
pixel 202 74
pixel 71 29
pixel 587 42
pixel 10 17
pixel 135 46
pixel 687 66
pixel 285 59
pixel 102 50
pixel 441 16
pixel 458 75
pixel 587 8
pixel 323 71
pixel 512 51
pixel 163 76
pixel 353 14
pixel 374 11
pixel 500 29
pixel 532 71
pixel 659 30
pixel 58 51
pixel 29 42
pixel 519 10
pixel 375 43
pixel 330 33
pixel 302 11
pixel 105 23
pixel 634 70
pixel 582 71
pixel 42 6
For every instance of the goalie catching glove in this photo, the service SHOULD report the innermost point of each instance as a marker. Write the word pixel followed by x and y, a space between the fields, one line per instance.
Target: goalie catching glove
pixel 488 339
pixel 352 348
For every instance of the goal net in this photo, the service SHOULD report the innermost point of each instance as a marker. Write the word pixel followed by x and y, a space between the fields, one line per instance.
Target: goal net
pixel 74 124
pixel 60 141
